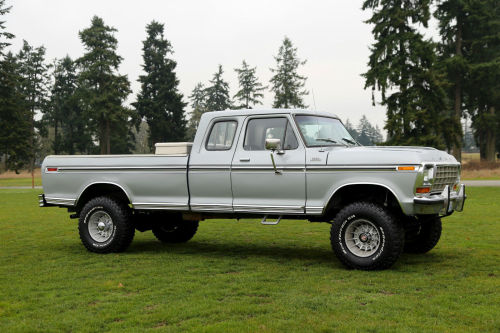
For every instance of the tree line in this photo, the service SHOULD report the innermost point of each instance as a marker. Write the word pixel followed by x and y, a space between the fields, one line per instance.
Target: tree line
pixel 82 101
pixel 428 86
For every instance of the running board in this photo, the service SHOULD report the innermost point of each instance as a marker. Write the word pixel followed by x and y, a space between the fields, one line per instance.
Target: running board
pixel 264 222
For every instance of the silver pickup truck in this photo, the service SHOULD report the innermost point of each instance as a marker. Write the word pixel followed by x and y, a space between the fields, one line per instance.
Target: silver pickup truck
pixel 270 164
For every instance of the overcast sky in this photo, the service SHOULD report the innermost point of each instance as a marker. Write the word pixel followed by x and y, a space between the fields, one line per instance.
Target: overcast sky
pixel 330 35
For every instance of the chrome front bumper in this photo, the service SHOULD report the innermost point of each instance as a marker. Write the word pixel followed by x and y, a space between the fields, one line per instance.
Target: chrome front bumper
pixel 444 204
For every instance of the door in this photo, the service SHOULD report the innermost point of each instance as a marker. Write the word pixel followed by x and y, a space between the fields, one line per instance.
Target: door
pixel 209 167
pixel 256 186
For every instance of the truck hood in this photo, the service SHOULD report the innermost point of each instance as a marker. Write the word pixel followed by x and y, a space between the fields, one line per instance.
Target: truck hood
pixel 385 155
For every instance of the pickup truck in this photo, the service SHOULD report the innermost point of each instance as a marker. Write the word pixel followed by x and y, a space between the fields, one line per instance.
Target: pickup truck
pixel 269 164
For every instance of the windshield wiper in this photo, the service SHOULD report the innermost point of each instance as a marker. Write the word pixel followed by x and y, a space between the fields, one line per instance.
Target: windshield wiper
pixel 326 140
pixel 349 141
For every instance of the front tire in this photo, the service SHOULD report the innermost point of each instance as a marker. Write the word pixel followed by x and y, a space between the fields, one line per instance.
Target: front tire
pixel 104 225
pixel 426 236
pixel 175 231
pixel 366 236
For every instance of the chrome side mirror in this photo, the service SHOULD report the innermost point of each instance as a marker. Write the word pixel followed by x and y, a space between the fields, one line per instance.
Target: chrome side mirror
pixel 273 144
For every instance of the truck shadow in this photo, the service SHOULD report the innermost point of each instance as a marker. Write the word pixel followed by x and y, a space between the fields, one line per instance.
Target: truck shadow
pixel 237 250
pixel 280 253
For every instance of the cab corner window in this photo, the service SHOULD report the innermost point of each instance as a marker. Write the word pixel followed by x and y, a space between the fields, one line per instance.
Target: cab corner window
pixel 221 135
pixel 260 129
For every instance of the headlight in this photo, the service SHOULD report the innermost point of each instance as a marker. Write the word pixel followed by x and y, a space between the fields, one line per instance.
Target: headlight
pixel 428 174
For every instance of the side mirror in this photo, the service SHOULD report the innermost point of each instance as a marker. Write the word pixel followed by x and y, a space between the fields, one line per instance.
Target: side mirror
pixel 273 144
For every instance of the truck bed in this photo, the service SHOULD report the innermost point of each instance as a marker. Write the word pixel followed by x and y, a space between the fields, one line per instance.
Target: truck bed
pixel 149 181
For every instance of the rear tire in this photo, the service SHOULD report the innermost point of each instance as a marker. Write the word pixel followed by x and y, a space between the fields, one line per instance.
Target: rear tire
pixel 426 236
pixel 366 236
pixel 175 231
pixel 104 225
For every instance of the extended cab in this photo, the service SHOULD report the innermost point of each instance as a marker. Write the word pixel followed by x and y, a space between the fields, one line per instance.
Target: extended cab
pixel 274 164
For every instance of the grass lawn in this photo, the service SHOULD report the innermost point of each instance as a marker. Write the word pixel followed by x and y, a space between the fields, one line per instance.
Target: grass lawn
pixel 242 276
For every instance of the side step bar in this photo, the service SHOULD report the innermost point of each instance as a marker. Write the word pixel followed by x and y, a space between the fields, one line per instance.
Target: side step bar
pixel 264 221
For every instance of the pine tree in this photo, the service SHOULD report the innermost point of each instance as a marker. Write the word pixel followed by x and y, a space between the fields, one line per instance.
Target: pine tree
pixel 250 88
pixel 4 35
pixel 286 83
pixel 401 66
pixel 218 93
pixel 65 114
pixel 368 135
pixel 350 128
pixel 198 99
pixel 103 90
pixel 453 27
pixel 159 101
pixel 15 125
pixel 484 70
pixel 35 88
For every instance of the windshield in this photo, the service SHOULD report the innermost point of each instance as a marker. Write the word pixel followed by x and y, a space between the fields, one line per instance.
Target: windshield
pixel 323 131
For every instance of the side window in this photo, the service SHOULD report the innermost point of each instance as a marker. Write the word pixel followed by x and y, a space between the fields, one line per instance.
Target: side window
pixel 258 130
pixel 221 135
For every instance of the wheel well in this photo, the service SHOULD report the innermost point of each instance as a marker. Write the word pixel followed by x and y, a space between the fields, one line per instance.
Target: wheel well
pixel 101 189
pixel 362 192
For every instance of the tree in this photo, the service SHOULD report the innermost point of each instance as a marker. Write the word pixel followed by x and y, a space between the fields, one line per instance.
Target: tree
pixel 250 88
pixel 286 83
pixel 4 35
pixel 484 70
pixel 15 124
pixel 452 16
pixel 34 86
pixel 401 66
pixel 217 94
pixel 103 90
pixel 350 128
pixel 367 134
pixel 65 114
pixel 159 101
pixel 199 104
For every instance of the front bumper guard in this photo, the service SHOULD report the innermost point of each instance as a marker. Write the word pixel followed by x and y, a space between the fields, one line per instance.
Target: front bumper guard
pixel 444 204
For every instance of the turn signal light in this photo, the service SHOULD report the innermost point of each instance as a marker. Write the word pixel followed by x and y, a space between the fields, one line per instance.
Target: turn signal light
pixel 423 189
pixel 406 168
pixel 51 169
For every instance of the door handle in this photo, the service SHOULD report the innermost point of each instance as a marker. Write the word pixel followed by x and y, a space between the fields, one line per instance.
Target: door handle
pixel 247 159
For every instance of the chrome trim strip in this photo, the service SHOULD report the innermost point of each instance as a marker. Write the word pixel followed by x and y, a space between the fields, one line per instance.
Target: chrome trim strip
pixel 265 168
pixel 212 207
pixel 314 210
pixel 202 169
pixel 160 205
pixel 269 209
pixel 128 168
pixel 60 201
pixel 351 168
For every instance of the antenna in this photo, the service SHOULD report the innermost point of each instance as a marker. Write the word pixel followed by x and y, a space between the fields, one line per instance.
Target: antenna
pixel 314 100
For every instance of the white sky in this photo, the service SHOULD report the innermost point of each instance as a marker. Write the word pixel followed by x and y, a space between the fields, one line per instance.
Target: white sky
pixel 331 35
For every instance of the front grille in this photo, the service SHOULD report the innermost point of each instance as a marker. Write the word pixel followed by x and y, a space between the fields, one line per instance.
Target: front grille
pixel 445 175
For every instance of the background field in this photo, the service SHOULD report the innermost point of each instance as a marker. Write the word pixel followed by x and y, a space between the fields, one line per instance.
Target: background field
pixel 241 276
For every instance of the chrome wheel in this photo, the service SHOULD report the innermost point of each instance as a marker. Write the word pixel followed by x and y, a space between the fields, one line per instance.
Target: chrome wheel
pixel 100 226
pixel 362 238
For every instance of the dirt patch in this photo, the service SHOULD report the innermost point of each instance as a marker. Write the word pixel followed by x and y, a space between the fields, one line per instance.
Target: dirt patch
pixel 21 174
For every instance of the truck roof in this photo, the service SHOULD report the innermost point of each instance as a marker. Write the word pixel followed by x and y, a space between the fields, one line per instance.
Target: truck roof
pixel 246 112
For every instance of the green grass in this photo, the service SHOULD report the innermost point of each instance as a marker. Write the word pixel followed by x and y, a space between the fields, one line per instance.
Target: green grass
pixel 242 276
pixel 9 182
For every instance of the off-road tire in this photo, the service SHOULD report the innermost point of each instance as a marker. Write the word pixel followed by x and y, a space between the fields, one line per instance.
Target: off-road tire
pixel 122 231
pixel 426 237
pixel 390 236
pixel 175 231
